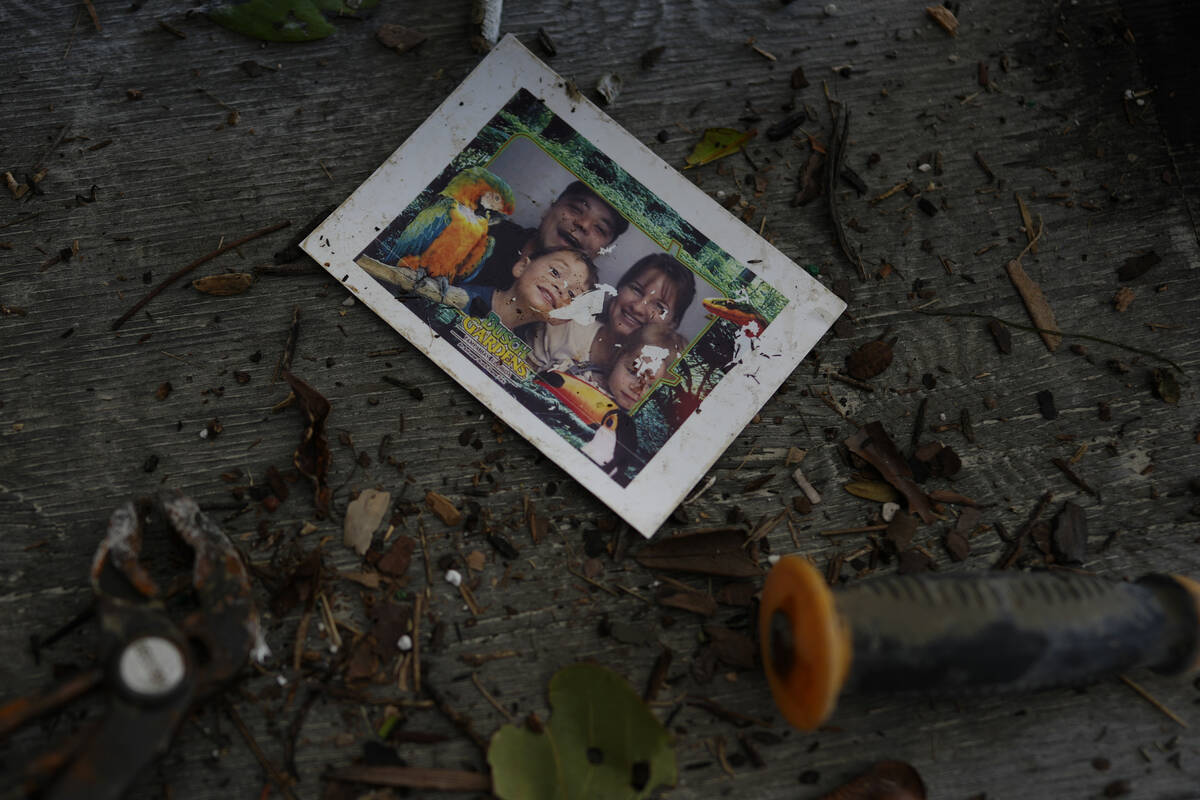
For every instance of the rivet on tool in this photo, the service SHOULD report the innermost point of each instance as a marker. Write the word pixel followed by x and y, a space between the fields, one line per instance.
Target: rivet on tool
pixel 151 666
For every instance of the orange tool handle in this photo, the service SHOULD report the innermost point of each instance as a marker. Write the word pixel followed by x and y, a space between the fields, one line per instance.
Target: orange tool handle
pixel 948 634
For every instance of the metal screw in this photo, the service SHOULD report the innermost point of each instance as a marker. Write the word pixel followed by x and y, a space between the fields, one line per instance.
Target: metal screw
pixel 151 666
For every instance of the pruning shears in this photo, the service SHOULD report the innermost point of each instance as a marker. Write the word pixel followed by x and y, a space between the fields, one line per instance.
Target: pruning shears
pixel 153 668
pixel 953 634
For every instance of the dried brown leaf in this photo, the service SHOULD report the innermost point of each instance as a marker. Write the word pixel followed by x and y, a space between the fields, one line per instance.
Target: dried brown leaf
pixel 398 557
pixel 873 444
pixel 224 285
pixel 719 551
pixel 944 17
pixel 1036 304
pixel 312 456
pixel 869 360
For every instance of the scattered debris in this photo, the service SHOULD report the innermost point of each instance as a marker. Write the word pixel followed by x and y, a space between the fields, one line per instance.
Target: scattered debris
pixel 873 444
pixel 224 285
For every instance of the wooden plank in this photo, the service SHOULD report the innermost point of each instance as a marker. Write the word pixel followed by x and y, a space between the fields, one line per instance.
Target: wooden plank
pixel 81 428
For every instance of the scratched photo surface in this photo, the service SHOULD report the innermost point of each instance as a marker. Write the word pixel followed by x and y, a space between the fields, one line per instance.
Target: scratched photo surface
pixel 572 287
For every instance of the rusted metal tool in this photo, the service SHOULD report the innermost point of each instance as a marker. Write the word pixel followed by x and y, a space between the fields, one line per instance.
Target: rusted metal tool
pixel 948 634
pixel 154 669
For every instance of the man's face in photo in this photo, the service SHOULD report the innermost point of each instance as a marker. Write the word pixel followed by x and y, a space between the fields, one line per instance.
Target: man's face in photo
pixel 578 220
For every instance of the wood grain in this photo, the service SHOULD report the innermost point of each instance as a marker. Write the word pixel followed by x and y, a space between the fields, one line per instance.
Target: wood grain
pixel 80 423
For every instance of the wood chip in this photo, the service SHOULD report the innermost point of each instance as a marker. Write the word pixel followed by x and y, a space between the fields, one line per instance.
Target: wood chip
pixel 944 17
pixel 1069 535
pixel 1036 304
pixel 363 516
pixel 1123 299
pixel 1027 223
pixel 443 508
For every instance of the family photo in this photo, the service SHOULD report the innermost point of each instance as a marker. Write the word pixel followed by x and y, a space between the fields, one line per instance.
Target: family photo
pixel 549 280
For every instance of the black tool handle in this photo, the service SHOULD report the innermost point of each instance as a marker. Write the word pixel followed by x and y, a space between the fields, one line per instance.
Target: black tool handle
pixel 1014 631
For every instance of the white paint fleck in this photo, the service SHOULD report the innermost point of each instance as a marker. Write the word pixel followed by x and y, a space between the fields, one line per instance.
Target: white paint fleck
pixel 404 643
pixel 650 360
pixel 773 559
pixel 453 577
pixel 888 512
pixel 585 308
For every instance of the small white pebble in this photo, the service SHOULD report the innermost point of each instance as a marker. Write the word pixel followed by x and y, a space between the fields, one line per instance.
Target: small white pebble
pixel 925 167
pixel 942 416
pixel 1129 94
pixel 333 648
pixel 282 681
pixel 453 577
pixel 830 10
pixel 1141 102
pixel 349 301
pixel 204 433
pixel 404 643
pixel 888 512
pixel 773 559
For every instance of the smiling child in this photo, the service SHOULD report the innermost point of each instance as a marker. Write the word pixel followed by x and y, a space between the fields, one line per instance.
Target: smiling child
pixel 542 283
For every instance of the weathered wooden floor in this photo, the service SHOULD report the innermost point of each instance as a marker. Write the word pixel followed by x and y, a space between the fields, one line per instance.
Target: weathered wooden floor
pixel 81 427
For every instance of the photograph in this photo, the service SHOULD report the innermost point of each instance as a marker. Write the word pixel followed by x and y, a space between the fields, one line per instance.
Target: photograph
pixel 575 284
pixel 539 259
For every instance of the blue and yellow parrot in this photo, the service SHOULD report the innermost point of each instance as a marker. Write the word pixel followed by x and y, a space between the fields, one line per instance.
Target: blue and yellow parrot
pixel 449 240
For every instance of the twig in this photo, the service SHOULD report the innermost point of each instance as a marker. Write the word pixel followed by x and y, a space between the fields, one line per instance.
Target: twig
pixel 488 696
pixel 95 17
pixel 833 168
pixel 447 780
pixel 277 777
pixel 863 529
pixel 1150 699
pixel 418 603
pixel 857 384
pixel 289 348
pixel 1035 329
pixel 139 305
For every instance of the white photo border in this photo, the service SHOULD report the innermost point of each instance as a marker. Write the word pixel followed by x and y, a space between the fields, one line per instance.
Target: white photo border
pixel 692 449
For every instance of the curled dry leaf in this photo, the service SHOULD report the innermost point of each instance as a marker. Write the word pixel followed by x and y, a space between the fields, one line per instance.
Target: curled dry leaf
pixel 224 285
pixel 873 444
pixel 878 491
pixel 312 456
pixel 363 516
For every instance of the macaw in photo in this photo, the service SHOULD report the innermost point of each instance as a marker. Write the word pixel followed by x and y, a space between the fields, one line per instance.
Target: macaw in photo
pixel 448 241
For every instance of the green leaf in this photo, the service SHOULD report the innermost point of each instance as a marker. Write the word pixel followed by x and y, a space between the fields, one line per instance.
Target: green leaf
pixel 601 742
pixel 718 143
pixel 285 20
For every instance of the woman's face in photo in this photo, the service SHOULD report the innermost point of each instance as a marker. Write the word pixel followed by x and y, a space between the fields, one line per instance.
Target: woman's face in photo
pixel 650 297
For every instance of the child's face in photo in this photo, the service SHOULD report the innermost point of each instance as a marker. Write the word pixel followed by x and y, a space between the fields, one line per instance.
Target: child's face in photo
pixel 632 375
pixel 650 297
pixel 550 281
pixel 584 223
